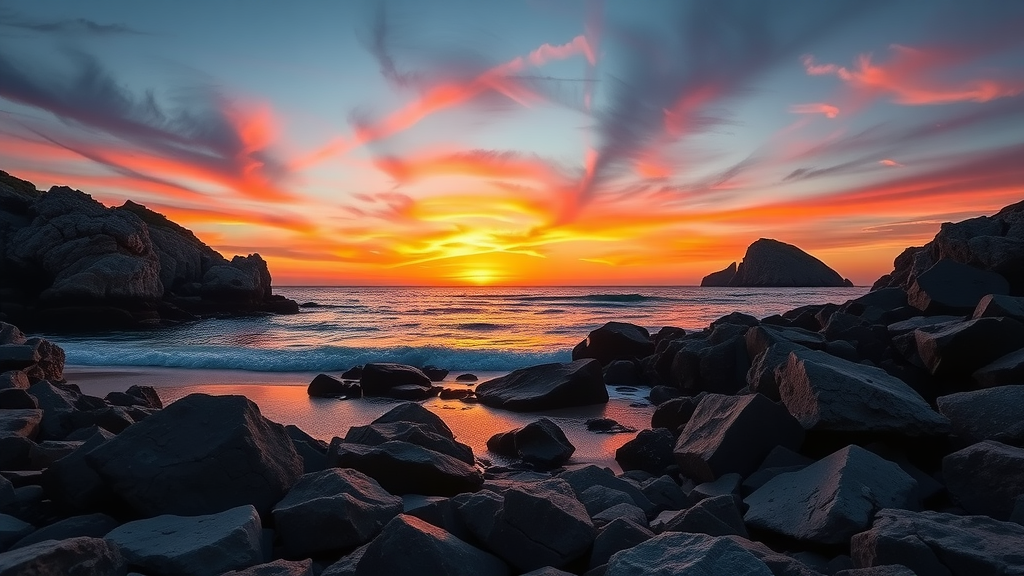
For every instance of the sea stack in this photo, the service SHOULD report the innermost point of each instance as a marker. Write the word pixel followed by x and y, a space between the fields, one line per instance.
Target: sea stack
pixel 770 263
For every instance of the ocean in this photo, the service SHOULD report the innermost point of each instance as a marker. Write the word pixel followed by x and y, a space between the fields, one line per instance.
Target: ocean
pixel 486 330
pixel 489 329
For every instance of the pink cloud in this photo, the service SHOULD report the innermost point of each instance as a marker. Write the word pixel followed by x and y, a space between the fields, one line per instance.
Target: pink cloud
pixel 828 110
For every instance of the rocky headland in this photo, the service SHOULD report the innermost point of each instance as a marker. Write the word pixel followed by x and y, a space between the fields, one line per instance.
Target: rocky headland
pixel 770 263
pixel 878 436
pixel 67 262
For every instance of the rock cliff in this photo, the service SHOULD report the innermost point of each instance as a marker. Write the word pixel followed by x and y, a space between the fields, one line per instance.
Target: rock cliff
pixel 67 261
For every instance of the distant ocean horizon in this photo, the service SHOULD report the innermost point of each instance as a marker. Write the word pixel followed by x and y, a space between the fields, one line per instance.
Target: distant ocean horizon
pixel 482 328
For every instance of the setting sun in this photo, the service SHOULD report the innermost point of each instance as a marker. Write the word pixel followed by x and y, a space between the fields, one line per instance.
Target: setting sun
pixel 479 277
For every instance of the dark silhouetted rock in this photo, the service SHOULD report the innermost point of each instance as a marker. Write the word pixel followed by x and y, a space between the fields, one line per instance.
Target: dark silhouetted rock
pixel 434 373
pixel 546 387
pixel 408 545
pixel 454 394
pixel 828 393
pixel 588 476
pixel 985 478
pixel 625 510
pixel 90 525
pixel 413 412
pixel 16 379
pixel 206 545
pixel 675 413
pixel 326 386
pixel 404 468
pixel 313 451
pixel 335 509
pixel 760 338
pixel 540 443
pixel 71 557
pixel 598 498
pixel 940 544
pixel 17 399
pixel 58 405
pixel 832 499
pixel 661 394
pixel 887 570
pixel 618 535
pixel 683 553
pixel 75 485
pixel 991 413
pixel 733 434
pixel 721 278
pixel 24 423
pixel 200 454
pixel 607 426
pixel 378 378
pixel 277 568
pixel 623 373
pixel 11 531
pixel 466 378
pixel 650 451
pixel 417 433
pixel 949 287
pixel 957 350
pixel 772 263
pixel 999 305
pixel 1008 369
pixel 412 392
pixel 665 493
pixel 539 525
pixel 761 376
pixel 715 516
pixel 615 341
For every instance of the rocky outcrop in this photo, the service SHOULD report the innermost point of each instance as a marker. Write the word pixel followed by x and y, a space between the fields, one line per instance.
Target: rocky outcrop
pixel 546 387
pixel 541 444
pixel 67 261
pixel 769 262
pixel 990 243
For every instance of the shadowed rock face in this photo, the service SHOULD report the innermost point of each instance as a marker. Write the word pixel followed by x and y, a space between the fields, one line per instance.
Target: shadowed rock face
pixel 67 261
pixel 773 263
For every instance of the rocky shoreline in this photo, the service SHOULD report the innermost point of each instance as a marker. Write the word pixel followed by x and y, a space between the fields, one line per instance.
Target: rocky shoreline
pixel 880 436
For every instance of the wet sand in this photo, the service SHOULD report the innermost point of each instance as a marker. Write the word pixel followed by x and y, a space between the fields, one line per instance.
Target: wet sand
pixel 282 398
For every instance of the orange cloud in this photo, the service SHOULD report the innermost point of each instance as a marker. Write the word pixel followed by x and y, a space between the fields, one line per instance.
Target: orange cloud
pixel 889 162
pixel 910 78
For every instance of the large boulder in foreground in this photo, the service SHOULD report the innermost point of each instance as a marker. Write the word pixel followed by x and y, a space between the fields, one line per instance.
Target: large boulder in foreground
pixel 769 262
pixel 949 287
pixel 832 499
pixel 72 557
pixel 615 341
pixel 675 553
pixel 546 387
pixel 733 434
pixel 196 545
pixel 827 393
pixel 956 350
pixel 378 379
pixel 941 544
pixel 408 545
pixel 985 478
pixel 404 468
pixel 201 454
pixel 334 509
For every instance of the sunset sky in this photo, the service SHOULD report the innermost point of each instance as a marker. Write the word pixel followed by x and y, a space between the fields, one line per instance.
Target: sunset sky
pixel 526 142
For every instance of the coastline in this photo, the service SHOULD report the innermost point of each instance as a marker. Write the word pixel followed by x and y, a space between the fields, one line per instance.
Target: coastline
pixel 282 398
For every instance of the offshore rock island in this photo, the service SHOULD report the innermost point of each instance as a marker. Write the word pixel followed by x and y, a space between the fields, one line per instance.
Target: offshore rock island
pixel 881 435
pixel 776 264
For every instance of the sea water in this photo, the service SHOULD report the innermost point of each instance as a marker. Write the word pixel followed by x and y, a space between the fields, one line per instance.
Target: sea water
pixel 466 328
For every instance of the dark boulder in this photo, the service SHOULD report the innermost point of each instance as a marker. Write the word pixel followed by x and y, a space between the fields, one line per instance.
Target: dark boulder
pixel 378 378
pixel 11 531
pixel 413 392
pixel 831 500
pixel 992 413
pixel 777 264
pixel 417 433
pixel 940 544
pixel 999 305
pixel 650 451
pixel 714 516
pixel 580 479
pixel 206 545
pixel 434 373
pixel 408 545
pixel 58 406
pixel 684 553
pixel 985 478
pixel 14 379
pixel 619 534
pixel 24 422
pixel 949 287
pixel 615 341
pixel 404 468
pixel 1007 369
pixel 760 338
pixel 73 484
pixel 17 399
pixel 413 412
pixel 466 378
pixel 733 434
pixel 546 387
pixel 761 376
pixel 327 386
pixel 661 394
pixel 957 350
pixel 89 525
pixel 831 394
pixel 72 557
pixel 200 454
pixel 540 443
pixel 277 568
pixel 623 373
pixel 675 413
pixel 335 509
